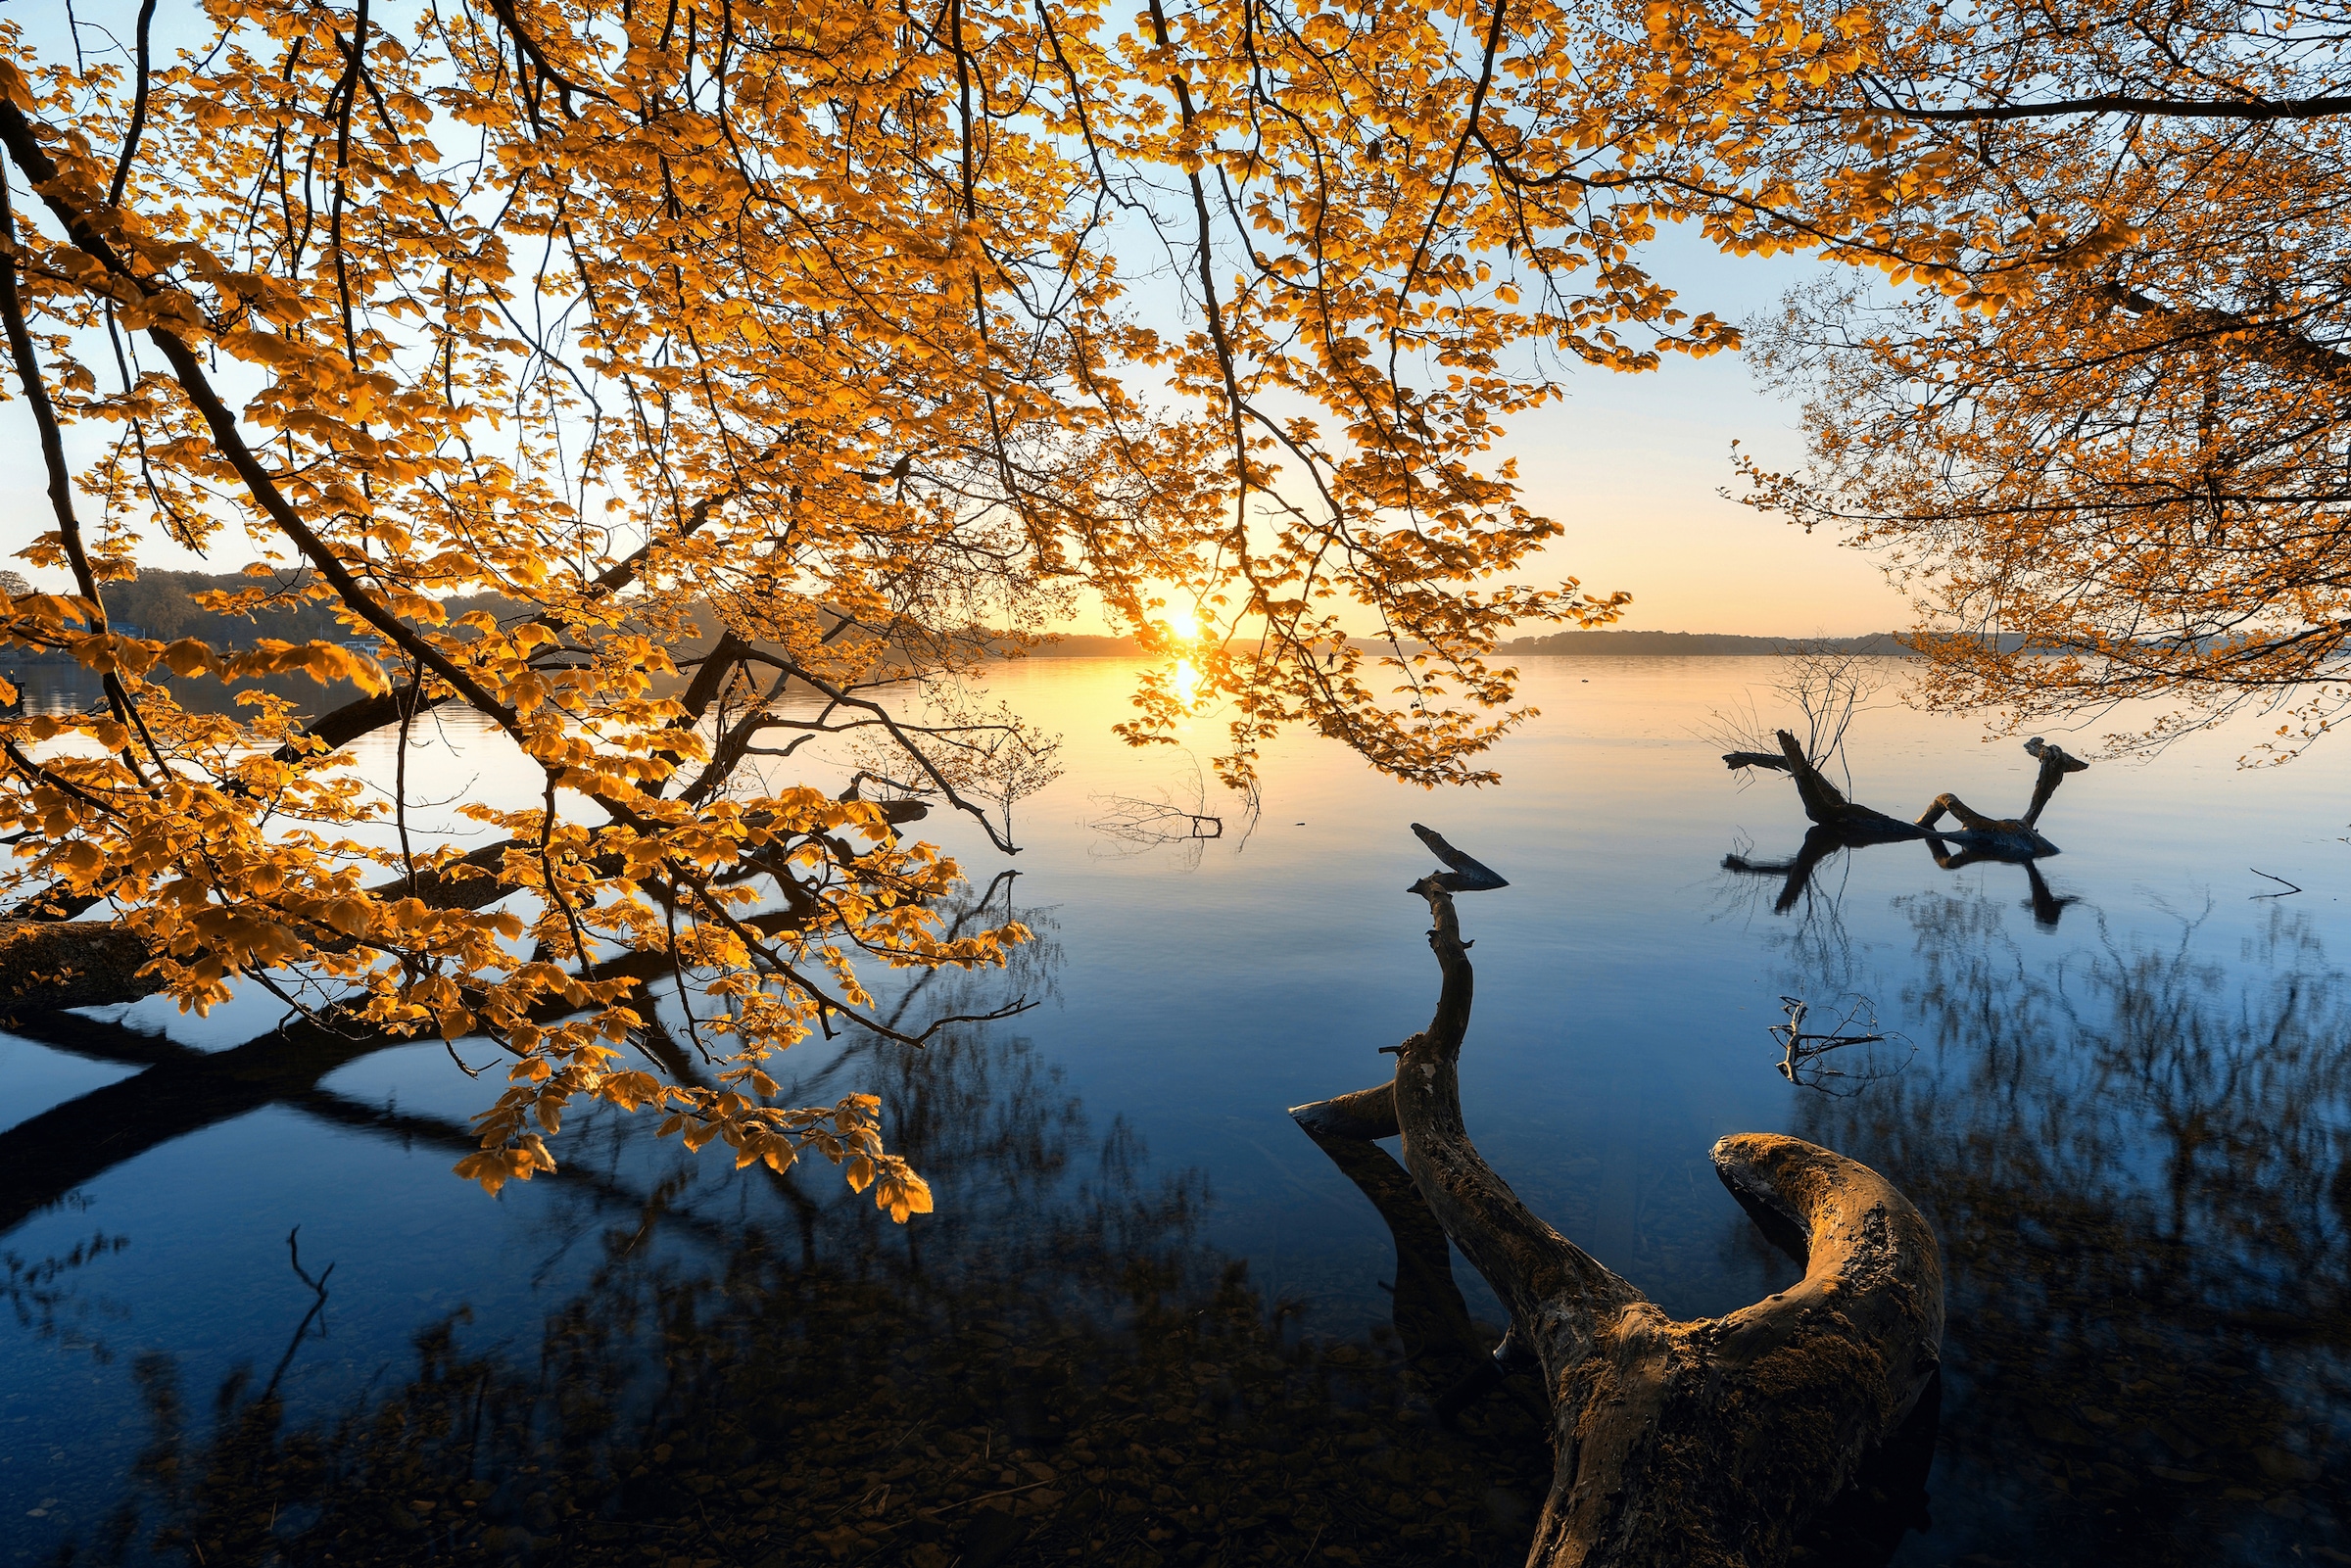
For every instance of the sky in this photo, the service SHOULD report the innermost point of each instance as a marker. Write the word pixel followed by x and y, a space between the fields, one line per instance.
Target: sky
pixel 1632 467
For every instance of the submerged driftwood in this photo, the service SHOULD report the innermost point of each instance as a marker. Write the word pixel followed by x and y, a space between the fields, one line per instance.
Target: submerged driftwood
pixel 1709 1442
pixel 1998 837
pixel 1838 823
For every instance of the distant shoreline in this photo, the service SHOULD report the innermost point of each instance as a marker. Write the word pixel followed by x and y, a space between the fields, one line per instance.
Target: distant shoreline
pixel 1604 643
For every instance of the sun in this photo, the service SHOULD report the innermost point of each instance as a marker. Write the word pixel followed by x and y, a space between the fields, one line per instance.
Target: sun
pixel 1182 623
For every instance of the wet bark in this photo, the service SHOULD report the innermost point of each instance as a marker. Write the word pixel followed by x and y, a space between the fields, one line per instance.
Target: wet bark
pixel 1826 805
pixel 1709 1442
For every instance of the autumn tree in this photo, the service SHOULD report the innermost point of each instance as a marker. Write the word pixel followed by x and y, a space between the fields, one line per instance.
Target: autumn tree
pixel 2087 388
pixel 619 371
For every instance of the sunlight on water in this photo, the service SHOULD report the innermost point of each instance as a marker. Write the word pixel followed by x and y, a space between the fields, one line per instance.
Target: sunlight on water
pixel 1186 682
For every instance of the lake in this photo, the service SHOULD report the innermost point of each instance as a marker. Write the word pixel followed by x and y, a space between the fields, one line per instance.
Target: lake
pixel 1151 1322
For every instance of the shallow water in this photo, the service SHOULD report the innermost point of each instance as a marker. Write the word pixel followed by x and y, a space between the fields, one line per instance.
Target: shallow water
pixel 2126 1111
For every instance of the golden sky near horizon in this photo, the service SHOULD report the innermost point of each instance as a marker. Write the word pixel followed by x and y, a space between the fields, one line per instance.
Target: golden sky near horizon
pixel 1631 466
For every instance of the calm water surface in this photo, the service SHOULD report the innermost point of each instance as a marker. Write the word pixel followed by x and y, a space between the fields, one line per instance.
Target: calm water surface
pixel 2121 1098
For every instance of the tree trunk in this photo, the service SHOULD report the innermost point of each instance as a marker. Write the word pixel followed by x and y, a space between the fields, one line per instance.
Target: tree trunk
pixel 50 965
pixel 1677 1444
pixel 1825 803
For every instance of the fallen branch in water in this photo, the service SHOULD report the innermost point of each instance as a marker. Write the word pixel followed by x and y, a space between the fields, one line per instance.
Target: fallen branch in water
pixel 1708 1441
pixel 1997 837
pixel 2291 888
pixel 1804 1055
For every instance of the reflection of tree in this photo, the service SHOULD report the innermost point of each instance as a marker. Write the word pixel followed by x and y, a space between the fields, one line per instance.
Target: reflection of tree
pixel 1051 1368
pixel 1136 824
pixel 41 1300
pixel 182 1091
pixel 1055 1369
pixel 1818 943
pixel 2137 1167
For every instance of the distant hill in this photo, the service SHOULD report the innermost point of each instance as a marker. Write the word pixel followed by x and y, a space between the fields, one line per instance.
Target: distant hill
pixel 162 604
pixel 1585 644
pixel 1087 645
pixel 1700 644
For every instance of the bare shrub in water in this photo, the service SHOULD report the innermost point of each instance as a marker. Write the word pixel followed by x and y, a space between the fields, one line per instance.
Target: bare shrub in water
pixel 1825 685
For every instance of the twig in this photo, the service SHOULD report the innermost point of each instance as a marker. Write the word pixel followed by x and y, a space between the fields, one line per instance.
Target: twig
pixel 1805 1053
pixel 983 1498
pixel 2289 887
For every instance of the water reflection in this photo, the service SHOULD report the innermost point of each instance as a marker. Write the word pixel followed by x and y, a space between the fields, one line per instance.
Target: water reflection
pixel 638 1298
pixel 2136 1159
pixel 1055 1369
pixel 1796 872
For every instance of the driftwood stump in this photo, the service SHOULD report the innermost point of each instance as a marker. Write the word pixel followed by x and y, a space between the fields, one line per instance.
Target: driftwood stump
pixel 1683 1443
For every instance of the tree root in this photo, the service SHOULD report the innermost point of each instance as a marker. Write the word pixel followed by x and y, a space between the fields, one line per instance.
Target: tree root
pixel 1709 1442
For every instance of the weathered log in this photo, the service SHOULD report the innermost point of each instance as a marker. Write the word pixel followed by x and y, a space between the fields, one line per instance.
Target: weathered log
pixel 1825 804
pixel 1994 834
pixel 1982 837
pixel 1465 874
pixel 2013 838
pixel 2055 766
pixel 1709 1442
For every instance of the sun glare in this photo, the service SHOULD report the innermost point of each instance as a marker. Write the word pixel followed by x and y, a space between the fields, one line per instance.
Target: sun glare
pixel 1182 623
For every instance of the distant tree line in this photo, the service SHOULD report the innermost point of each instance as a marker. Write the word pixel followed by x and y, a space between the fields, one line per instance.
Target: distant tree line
pixel 1699 644
pixel 167 605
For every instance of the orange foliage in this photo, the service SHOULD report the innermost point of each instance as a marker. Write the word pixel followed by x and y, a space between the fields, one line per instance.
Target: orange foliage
pixel 2096 398
pixel 861 336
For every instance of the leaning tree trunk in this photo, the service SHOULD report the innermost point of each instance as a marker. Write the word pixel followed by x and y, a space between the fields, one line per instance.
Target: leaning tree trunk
pixel 49 965
pixel 1688 1443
